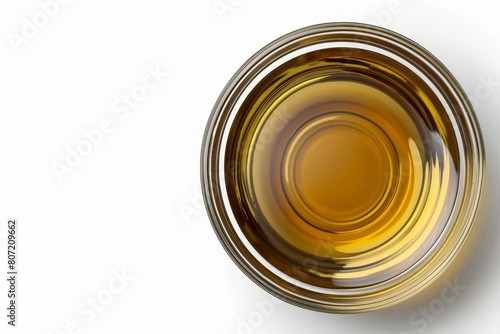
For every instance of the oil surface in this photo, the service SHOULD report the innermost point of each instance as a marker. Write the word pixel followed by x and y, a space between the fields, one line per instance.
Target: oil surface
pixel 341 167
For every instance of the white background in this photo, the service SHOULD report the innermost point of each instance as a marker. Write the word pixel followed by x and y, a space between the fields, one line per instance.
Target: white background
pixel 133 203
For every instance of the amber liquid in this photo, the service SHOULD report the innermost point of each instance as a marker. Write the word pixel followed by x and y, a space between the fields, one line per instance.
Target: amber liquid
pixel 341 167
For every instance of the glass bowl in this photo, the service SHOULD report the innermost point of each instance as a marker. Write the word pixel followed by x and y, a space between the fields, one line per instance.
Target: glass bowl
pixel 342 167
